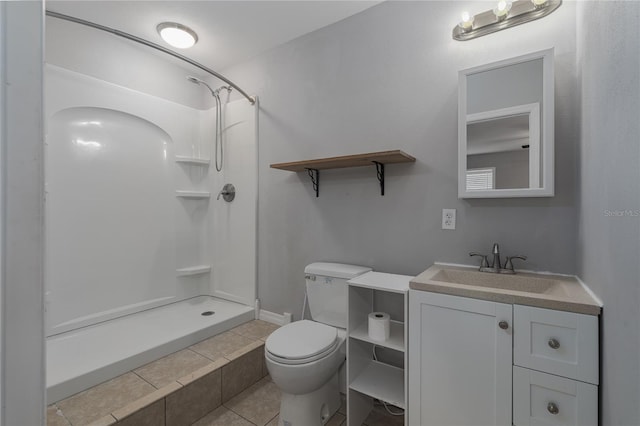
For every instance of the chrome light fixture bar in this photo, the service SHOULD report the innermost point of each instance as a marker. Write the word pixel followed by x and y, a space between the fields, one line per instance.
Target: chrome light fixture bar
pixel 520 12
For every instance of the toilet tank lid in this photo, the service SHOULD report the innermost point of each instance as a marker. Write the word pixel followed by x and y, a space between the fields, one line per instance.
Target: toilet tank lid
pixel 335 270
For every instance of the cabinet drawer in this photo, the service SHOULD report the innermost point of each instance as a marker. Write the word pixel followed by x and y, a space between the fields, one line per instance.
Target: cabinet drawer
pixel 544 399
pixel 562 343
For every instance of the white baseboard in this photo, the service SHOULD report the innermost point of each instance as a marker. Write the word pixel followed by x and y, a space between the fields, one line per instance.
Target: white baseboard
pixel 271 317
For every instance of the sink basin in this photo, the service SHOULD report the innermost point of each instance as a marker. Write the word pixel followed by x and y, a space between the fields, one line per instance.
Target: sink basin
pixel 557 292
pixel 522 283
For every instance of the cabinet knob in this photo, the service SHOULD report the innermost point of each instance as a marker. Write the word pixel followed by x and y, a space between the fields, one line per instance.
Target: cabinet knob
pixel 503 325
pixel 554 344
pixel 553 408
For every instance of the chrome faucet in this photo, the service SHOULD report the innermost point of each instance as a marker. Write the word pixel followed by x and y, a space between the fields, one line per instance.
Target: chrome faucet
pixel 496 264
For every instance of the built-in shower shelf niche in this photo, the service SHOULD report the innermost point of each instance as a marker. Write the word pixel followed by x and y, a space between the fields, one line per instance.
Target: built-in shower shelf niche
pixel 193 270
pixel 192 161
pixel 195 195
pixel 377 159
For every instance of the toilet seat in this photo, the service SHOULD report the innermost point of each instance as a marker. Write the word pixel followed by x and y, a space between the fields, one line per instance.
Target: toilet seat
pixel 301 342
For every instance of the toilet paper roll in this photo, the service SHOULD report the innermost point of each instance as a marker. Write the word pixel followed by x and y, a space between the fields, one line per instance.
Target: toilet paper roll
pixel 379 326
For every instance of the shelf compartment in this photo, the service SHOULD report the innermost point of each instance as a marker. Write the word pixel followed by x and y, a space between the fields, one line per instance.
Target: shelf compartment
pixel 396 336
pixel 193 270
pixel 381 381
pixel 193 194
pixel 192 160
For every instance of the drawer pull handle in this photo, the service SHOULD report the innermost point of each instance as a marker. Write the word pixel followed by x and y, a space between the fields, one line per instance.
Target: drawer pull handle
pixel 553 408
pixel 554 344
pixel 503 325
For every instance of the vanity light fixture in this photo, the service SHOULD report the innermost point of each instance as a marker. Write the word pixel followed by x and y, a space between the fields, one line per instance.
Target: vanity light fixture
pixel 506 14
pixel 502 9
pixel 177 35
pixel 539 3
pixel 467 21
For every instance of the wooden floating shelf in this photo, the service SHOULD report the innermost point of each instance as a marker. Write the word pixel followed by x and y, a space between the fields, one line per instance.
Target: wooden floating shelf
pixel 357 160
pixel 379 159
pixel 192 160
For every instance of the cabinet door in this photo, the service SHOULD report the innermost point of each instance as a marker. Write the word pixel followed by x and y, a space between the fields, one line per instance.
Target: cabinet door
pixel 544 399
pixel 560 343
pixel 459 361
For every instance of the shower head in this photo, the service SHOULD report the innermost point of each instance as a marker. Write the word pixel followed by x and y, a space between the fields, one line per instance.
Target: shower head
pixel 214 93
pixel 196 80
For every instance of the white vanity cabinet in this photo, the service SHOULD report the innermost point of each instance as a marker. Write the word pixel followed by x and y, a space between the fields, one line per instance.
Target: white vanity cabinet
pixel 460 361
pixel 478 362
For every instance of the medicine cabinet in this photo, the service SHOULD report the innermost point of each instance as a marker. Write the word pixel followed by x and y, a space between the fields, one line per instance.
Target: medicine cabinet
pixel 506 128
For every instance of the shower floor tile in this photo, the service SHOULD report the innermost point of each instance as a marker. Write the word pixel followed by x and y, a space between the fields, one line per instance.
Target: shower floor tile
pixel 172 367
pixel 257 330
pixel 221 345
pixel 101 400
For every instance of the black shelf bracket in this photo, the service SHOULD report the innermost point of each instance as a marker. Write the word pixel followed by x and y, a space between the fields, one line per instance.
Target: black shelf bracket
pixel 314 174
pixel 380 173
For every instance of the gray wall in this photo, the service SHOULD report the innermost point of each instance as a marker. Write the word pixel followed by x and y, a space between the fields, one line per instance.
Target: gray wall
pixel 609 222
pixel 387 78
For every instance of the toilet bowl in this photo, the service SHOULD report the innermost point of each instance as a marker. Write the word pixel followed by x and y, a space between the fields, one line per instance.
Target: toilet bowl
pixel 304 358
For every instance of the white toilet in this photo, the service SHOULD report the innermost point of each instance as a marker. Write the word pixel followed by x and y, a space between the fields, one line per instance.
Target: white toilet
pixel 305 357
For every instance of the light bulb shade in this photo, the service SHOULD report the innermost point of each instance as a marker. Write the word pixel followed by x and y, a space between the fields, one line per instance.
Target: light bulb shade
pixel 467 21
pixel 177 35
pixel 502 9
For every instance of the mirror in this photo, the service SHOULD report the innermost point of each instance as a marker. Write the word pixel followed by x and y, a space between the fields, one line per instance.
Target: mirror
pixel 505 128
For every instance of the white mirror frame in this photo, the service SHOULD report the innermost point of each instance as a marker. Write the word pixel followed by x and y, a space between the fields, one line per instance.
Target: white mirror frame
pixel 545 137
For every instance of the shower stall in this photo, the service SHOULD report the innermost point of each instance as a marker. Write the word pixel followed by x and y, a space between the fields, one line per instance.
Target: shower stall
pixel 142 259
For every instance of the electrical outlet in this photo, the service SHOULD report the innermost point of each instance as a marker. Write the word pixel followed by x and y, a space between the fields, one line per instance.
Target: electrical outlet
pixel 448 218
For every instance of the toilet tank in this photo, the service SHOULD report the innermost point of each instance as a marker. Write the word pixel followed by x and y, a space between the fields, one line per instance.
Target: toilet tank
pixel 327 291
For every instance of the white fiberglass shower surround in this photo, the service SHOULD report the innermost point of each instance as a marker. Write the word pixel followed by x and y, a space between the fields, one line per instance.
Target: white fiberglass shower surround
pixel 138 247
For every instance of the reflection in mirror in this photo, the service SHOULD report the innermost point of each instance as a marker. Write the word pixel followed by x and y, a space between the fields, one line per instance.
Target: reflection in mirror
pixel 505 128
pixel 503 149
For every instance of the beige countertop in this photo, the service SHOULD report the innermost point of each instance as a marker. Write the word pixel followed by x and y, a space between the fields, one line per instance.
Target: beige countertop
pixel 558 292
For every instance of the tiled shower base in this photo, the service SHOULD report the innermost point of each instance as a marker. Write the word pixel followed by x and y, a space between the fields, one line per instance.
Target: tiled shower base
pixel 221 381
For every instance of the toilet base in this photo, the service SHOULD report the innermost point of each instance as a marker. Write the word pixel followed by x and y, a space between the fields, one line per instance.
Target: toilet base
pixel 311 409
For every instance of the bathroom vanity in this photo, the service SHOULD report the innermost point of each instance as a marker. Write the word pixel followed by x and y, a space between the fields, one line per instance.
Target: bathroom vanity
pixel 494 349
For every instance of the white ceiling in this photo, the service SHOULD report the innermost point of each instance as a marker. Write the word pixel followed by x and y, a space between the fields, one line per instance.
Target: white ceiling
pixel 229 32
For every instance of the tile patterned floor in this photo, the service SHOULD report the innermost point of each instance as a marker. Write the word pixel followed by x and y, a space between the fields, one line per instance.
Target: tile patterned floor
pixel 99 402
pixel 257 405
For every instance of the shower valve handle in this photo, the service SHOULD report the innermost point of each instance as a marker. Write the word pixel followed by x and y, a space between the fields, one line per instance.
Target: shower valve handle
pixel 228 193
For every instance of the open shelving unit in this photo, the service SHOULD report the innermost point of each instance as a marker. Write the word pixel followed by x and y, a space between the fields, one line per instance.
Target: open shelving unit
pixel 375 369
pixel 377 159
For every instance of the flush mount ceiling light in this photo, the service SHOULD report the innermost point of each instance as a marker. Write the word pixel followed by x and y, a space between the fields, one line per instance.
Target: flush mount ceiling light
pixel 177 35
pixel 506 14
